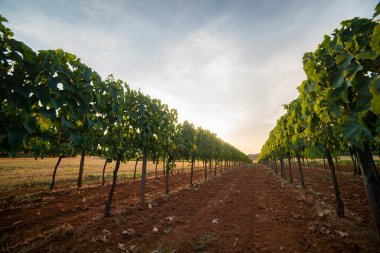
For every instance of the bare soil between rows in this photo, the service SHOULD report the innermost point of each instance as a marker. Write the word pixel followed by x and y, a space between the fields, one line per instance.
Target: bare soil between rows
pixel 250 209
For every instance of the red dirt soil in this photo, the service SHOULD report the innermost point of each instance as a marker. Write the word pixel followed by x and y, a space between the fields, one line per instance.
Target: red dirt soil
pixel 250 209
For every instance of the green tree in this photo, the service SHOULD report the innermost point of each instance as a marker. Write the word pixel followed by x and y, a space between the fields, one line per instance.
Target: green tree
pixel 323 136
pixel 343 68
pixel 19 105
pixel 119 134
pixel 189 135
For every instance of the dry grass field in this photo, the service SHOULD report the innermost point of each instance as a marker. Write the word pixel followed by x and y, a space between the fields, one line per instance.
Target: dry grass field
pixel 27 173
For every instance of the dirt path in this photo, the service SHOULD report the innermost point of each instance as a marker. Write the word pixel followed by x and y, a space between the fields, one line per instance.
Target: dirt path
pixel 246 210
pixel 27 218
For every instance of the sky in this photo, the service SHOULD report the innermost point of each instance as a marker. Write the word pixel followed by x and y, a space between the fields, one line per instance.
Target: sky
pixel 227 66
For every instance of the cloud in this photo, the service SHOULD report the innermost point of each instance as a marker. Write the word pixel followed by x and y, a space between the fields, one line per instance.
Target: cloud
pixel 199 70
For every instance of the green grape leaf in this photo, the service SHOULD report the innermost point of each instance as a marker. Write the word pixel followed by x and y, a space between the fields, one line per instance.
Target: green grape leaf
pixel 2 19
pixel 44 123
pixel 344 58
pixel 75 137
pixel 70 57
pixel 375 42
pixel 344 95
pixel 355 130
pixel 337 79
pixel 29 124
pixel 366 55
pixel 16 137
pixel 377 125
pixel 374 85
pixel 377 10
pixel 375 104
pixel 362 105
pixel 361 86
pixel 352 69
pixel 67 123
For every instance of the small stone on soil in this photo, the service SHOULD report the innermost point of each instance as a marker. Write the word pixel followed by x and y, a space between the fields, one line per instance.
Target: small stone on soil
pixel 101 237
pixel 296 217
pixel 155 229
pixel 167 231
pixel 106 232
pixel 358 219
pixel 17 222
pixel 170 218
pixel 324 230
pixel 129 232
pixel 215 221
pixel 341 233
pixel 121 246
pixel 312 228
